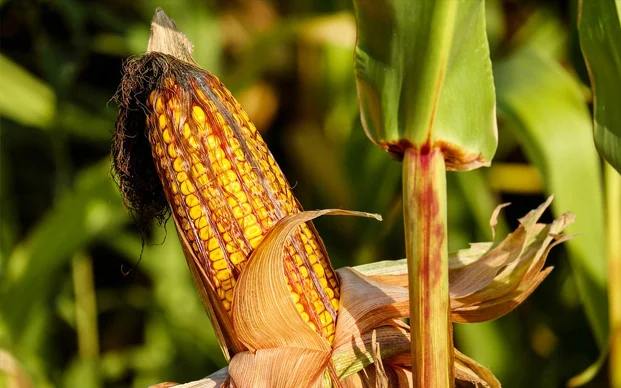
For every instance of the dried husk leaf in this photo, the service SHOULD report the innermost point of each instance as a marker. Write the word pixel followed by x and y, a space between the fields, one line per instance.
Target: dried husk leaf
pixel 394 272
pixel 365 304
pixel 279 368
pixel 526 265
pixel 358 353
pixel 469 279
pixel 496 308
pixel 264 315
pixel 466 369
pixel 494 219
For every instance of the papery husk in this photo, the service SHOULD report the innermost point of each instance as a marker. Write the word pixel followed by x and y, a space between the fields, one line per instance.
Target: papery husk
pixel 264 315
pixel 489 280
pixel 266 320
pixel 365 304
pixel 358 353
pixel 468 370
pixel 279 368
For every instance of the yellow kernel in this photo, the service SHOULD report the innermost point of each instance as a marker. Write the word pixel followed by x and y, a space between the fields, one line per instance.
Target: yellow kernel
pixel 305 316
pixel 172 151
pixel 195 247
pixel 198 114
pixel 187 188
pixel 330 328
pixel 230 248
pixel 242 198
pixel 213 244
pixel 331 338
pixel 325 318
pixel 236 258
pixel 319 270
pixel 182 176
pixel 212 142
pixel 202 181
pixel 162 121
pixel 191 200
pixel 312 326
pixel 159 105
pixel 226 304
pixel 221 292
pixel 186 130
pixel 225 164
pixel 299 307
pixel 296 297
pixel 234 187
pixel 335 304
pixel 319 307
pixel 198 169
pixel 303 271
pixel 178 164
pixel 218 154
pixel 250 220
pixel 175 190
pixel 229 295
pixel 219 118
pixel 241 211
pixel 195 212
pixel 205 233
pixel 227 284
pixel 328 291
pixel 216 256
pixel 298 259
pixel 166 136
pixel 223 275
pixel 256 241
pixel 253 231
pixel 220 264
pixel 192 142
pixel 201 222
pixel 158 150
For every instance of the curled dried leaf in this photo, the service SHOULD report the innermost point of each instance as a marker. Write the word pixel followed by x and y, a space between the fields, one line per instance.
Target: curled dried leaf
pixel 279 368
pixel 264 315
pixel 366 304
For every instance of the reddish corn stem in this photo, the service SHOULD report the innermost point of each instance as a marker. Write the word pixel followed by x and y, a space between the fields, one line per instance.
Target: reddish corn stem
pixel 424 206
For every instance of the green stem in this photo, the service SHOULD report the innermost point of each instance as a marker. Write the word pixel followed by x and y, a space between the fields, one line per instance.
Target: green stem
pixel 613 199
pixel 86 306
pixel 424 209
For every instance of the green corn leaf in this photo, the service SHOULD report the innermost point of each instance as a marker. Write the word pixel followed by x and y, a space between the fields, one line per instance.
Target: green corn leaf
pixel 25 98
pixel 545 108
pixel 599 25
pixel 424 78
pixel 89 211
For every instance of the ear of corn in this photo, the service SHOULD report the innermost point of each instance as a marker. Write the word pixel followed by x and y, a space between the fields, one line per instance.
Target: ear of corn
pixel 226 191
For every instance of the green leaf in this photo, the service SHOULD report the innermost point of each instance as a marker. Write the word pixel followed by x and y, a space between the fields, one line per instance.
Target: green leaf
pixel 424 78
pixel 599 26
pixel 24 98
pixel 545 108
pixel 89 211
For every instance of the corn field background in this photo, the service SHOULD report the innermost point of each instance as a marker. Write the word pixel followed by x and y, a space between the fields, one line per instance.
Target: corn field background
pixel 83 303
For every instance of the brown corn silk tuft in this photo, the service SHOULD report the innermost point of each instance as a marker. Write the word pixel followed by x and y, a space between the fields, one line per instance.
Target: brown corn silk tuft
pixel 224 187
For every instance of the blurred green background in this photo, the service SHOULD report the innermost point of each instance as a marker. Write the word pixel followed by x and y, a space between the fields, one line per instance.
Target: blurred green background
pixel 71 315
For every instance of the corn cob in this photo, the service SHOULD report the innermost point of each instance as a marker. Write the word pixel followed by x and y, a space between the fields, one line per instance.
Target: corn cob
pixel 226 191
